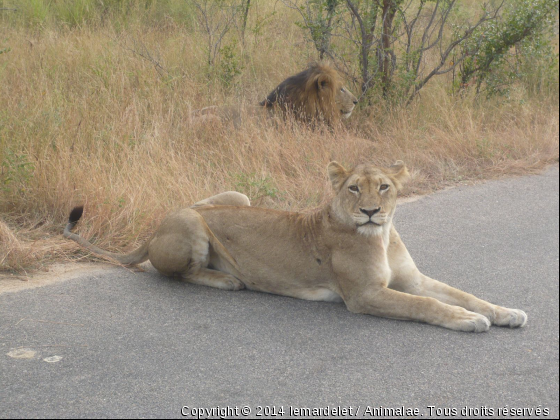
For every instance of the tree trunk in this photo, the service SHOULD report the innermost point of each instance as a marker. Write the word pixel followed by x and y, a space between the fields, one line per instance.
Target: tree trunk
pixel 246 7
pixel 389 12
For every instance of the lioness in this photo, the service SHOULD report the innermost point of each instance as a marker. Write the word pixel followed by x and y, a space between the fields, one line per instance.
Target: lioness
pixel 348 251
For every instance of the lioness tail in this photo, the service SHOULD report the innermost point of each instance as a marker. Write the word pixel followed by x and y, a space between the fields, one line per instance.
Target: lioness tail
pixel 135 257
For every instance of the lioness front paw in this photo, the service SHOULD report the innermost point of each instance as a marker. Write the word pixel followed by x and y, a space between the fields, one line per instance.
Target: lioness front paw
pixel 469 321
pixel 513 318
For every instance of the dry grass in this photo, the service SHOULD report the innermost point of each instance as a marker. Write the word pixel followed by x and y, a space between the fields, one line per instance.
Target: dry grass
pixel 11 250
pixel 31 249
pixel 85 119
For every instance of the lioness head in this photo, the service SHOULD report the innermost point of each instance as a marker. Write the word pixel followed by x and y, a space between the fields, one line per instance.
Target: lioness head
pixel 366 196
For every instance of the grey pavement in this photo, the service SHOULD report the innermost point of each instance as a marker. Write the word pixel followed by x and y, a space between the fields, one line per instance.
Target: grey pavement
pixel 142 345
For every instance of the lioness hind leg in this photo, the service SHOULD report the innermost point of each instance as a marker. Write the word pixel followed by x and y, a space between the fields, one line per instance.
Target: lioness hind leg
pixel 213 278
pixel 182 246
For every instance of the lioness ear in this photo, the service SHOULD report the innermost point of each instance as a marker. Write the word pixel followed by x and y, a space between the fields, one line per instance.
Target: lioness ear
pixel 398 173
pixel 337 174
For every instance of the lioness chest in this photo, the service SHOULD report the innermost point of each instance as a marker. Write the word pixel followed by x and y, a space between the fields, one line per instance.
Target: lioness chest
pixel 277 252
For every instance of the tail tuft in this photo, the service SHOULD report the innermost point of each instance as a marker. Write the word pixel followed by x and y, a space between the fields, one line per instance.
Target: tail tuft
pixel 76 214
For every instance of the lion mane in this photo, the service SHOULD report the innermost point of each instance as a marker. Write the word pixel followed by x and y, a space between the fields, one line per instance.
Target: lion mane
pixel 315 94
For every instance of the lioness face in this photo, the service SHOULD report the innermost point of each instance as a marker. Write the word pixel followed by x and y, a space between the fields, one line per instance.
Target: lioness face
pixel 366 195
pixel 345 101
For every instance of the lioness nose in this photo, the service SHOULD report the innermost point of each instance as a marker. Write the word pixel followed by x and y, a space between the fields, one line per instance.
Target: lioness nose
pixel 355 101
pixel 370 212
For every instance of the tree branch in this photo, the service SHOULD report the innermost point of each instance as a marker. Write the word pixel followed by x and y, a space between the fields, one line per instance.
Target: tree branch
pixel 436 70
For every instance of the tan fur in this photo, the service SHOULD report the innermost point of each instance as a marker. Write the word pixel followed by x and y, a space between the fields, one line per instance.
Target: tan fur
pixel 348 251
pixel 316 94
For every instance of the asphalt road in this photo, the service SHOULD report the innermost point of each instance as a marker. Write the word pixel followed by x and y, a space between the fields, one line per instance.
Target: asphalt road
pixel 142 345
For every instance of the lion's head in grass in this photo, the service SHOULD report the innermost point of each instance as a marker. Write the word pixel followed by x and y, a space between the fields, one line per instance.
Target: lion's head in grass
pixel 313 95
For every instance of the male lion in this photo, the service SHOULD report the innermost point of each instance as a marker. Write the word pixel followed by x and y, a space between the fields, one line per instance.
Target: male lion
pixel 316 94
pixel 348 251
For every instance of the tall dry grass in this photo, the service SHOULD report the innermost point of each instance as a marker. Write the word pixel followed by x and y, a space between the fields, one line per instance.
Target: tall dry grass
pixel 84 118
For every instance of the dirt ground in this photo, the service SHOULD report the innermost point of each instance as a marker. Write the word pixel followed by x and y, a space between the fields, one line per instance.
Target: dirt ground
pixel 54 274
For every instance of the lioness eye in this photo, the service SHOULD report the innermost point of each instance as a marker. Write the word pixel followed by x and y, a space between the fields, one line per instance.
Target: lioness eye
pixel 353 188
pixel 383 187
